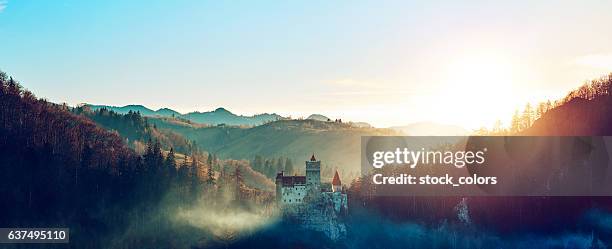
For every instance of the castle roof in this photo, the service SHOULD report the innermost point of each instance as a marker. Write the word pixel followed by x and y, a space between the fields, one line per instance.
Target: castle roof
pixel 336 180
pixel 312 158
pixel 290 181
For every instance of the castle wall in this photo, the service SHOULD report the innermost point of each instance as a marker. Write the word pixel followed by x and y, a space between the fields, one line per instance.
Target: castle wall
pixel 339 201
pixel 320 214
pixel 293 195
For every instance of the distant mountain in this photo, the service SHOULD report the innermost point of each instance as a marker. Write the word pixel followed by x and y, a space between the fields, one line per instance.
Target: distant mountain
pixel 318 117
pixel 216 117
pixel 165 112
pixel 125 109
pixel 223 116
pixel 431 129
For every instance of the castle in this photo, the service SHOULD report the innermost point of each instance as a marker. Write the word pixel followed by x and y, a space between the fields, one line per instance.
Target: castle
pixel 294 190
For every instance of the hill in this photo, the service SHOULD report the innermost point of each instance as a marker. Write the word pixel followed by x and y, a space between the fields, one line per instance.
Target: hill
pixel 223 116
pixel 578 117
pixel 144 111
pixel 586 111
pixel 135 129
pixel 166 112
pixel 318 117
pixel 60 169
pixel 216 117
pixel 336 144
pixel 124 109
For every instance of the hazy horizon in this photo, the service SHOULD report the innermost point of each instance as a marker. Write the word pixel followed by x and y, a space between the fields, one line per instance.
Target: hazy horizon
pixel 271 112
pixel 461 63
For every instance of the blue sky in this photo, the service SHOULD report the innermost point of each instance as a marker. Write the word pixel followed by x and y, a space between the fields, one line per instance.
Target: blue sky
pixel 383 62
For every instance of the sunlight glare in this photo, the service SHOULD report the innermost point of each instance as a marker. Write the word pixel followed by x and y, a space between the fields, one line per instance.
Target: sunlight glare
pixel 480 89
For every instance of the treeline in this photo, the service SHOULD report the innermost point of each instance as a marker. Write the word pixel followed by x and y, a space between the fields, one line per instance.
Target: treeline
pixel 136 129
pixel 269 167
pixel 524 119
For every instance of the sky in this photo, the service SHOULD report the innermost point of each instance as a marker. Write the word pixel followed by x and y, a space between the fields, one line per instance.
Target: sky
pixel 387 63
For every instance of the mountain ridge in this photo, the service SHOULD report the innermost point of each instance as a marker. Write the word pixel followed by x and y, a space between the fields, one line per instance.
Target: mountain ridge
pixel 216 117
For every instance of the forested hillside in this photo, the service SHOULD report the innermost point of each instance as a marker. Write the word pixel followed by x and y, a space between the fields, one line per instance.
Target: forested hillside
pixel 337 144
pixel 136 129
pixel 586 111
pixel 59 169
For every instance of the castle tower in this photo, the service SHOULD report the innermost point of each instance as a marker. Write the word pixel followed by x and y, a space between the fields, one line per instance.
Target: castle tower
pixel 336 183
pixel 313 174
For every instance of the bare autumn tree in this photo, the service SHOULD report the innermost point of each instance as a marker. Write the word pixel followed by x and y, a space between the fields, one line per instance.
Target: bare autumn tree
pixel 516 122
pixel 597 88
pixel 527 118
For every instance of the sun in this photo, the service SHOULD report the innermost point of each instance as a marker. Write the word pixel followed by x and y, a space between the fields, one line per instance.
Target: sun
pixel 479 89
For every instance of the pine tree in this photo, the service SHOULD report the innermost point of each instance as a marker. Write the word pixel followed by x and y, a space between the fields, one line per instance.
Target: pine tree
pixel 516 122
pixel 156 158
pixel 149 157
pixel 540 111
pixel 527 118
pixel 195 179
pixel 183 171
pixel 170 164
pixel 210 180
